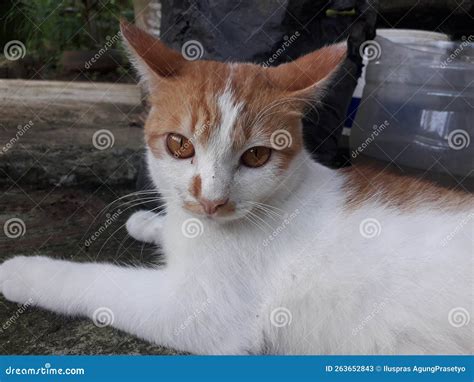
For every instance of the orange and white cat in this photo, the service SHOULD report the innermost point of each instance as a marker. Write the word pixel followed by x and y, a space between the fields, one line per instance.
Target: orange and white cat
pixel 266 250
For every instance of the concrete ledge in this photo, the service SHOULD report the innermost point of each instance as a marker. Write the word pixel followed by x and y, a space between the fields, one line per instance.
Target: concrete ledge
pixel 69 133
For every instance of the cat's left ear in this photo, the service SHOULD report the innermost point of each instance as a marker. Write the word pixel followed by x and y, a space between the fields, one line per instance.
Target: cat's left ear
pixel 306 75
pixel 152 58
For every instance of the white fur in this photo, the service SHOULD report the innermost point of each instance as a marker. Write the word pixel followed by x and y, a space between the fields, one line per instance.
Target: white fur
pixel 227 290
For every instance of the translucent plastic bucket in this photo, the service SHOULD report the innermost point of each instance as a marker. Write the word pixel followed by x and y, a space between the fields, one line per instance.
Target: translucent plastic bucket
pixel 417 107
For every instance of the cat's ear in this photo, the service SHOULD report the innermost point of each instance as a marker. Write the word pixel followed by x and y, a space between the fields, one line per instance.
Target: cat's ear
pixel 304 76
pixel 151 57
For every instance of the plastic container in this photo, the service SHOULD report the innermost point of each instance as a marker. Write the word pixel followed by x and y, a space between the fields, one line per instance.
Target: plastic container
pixel 417 107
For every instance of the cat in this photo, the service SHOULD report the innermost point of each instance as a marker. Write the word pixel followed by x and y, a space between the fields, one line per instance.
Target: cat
pixel 267 251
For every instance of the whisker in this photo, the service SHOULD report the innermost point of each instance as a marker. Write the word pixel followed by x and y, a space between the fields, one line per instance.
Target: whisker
pixel 254 215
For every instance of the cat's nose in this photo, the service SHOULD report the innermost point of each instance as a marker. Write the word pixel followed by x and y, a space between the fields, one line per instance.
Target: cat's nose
pixel 211 206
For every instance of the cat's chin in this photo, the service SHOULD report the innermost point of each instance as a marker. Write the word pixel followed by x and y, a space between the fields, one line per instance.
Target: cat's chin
pixel 217 217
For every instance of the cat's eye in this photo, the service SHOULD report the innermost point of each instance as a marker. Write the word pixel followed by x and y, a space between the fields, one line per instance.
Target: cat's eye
pixel 179 146
pixel 256 156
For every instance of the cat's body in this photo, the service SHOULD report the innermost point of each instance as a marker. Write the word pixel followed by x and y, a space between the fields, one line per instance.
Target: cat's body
pixel 309 271
pixel 318 287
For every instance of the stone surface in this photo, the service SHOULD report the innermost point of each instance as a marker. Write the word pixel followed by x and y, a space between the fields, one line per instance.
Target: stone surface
pixel 58 221
pixel 59 184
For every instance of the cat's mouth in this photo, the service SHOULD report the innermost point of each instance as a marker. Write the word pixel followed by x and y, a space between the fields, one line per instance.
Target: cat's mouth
pixel 226 211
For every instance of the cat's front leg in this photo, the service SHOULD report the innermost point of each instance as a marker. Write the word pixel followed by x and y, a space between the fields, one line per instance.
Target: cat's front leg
pixel 82 288
pixel 21 276
pixel 151 303
pixel 132 299
pixel 146 226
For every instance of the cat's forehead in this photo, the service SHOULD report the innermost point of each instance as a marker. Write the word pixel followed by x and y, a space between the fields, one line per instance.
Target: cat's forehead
pixel 231 104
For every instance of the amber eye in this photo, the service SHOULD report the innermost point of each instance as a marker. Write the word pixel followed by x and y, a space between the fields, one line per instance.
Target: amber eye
pixel 256 156
pixel 179 146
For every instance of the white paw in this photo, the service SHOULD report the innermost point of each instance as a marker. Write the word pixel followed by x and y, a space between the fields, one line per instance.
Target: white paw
pixel 145 226
pixel 15 280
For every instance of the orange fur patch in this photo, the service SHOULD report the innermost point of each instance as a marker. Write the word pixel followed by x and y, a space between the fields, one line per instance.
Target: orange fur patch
pixel 184 94
pixel 196 187
pixel 188 106
pixel 367 182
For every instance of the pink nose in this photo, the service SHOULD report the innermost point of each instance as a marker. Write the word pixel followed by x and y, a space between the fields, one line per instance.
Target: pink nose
pixel 211 206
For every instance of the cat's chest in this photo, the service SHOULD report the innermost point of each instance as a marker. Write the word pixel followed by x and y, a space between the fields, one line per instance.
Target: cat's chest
pixel 197 236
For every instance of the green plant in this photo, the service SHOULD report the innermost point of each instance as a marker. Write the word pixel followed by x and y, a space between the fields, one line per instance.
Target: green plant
pixel 50 26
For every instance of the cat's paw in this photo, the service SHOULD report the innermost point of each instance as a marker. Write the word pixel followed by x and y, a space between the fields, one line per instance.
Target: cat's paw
pixel 15 283
pixel 145 226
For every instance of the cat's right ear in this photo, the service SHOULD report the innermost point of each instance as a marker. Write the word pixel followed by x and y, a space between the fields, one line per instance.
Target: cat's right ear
pixel 153 59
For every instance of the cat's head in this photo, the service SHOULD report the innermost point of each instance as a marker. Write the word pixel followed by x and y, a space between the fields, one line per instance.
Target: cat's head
pixel 223 136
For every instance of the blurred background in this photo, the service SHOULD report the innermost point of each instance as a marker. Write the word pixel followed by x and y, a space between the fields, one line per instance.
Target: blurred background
pixel 71 117
pixel 60 36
